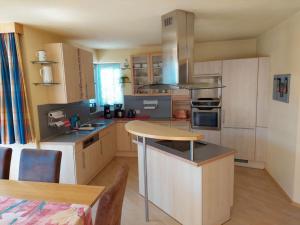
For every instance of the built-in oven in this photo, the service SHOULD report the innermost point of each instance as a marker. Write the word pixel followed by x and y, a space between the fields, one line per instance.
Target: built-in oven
pixel 206 113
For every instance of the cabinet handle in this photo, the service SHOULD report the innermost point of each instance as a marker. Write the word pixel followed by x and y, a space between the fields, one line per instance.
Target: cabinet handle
pixel 223 116
pixel 83 160
pixel 101 148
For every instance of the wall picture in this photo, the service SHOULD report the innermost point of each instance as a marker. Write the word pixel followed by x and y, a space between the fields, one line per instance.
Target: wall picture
pixel 281 87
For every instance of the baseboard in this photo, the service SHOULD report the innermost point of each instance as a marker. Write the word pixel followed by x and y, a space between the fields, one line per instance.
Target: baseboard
pixel 251 164
pixel 126 154
pixel 283 191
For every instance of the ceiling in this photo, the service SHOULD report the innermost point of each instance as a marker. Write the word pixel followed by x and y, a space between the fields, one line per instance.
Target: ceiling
pixel 133 23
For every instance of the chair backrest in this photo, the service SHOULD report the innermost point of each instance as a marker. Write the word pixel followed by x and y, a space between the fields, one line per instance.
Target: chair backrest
pixel 5 158
pixel 40 165
pixel 110 203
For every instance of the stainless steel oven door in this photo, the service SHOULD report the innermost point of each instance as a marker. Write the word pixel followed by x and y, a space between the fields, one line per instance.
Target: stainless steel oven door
pixel 206 119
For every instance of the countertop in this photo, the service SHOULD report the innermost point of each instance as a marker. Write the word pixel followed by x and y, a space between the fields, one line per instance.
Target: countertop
pixel 150 130
pixel 203 152
pixel 79 136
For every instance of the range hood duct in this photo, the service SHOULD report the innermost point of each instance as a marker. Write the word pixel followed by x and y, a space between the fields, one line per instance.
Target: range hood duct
pixel 178 52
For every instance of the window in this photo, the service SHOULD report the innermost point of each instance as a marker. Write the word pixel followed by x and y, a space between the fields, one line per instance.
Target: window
pixel 107 81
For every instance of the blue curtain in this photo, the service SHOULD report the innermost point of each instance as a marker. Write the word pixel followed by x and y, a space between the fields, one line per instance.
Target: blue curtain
pixel 14 113
pixel 108 87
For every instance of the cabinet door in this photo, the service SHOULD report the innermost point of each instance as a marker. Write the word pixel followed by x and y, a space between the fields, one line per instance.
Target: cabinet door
pixel 86 74
pixel 261 144
pixel 108 145
pixel 183 125
pixel 71 73
pixel 141 73
pixel 239 95
pixel 241 140
pixel 263 92
pixel 211 136
pixel 123 138
pixel 82 173
pixel 208 68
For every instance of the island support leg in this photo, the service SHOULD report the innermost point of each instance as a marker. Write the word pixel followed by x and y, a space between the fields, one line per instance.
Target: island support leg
pixel 192 150
pixel 145 181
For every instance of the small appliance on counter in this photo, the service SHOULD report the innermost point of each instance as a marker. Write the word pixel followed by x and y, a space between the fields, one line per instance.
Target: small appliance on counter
pixel 119 112
pixel 107 112
pixel 131 113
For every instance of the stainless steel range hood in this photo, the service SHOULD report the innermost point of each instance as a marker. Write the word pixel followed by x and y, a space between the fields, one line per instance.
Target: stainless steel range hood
pixel 178 52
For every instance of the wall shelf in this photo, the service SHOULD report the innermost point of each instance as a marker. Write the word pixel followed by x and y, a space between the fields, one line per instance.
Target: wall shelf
pixel 45 84
pixel 43 62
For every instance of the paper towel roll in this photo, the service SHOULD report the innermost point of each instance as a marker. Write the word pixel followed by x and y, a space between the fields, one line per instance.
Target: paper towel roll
pixel 56 114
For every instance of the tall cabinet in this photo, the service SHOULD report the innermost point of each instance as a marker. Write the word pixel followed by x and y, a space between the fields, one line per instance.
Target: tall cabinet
pixel 244 102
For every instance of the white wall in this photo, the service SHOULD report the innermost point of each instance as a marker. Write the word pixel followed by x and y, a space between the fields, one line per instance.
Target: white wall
pixel 282 44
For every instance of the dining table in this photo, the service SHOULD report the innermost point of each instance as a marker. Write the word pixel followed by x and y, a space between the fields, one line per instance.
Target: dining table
pixel 38 203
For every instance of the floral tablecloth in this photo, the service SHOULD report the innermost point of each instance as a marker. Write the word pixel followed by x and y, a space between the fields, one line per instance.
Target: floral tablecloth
pixel 26 212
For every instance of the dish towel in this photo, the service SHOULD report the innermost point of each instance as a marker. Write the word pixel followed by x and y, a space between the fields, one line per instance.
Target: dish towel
pixel 15 211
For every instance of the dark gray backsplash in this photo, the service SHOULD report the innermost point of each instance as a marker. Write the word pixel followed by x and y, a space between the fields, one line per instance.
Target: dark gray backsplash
pixel 162 111
pixel 82 108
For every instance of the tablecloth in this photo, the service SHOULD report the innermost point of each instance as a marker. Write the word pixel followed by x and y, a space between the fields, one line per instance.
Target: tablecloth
pixel 15 211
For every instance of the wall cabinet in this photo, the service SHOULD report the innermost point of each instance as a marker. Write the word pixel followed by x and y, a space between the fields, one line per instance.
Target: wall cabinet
pixel 87 74
pixel 241 140
pixel 73 72
pixel 147 69
pixel 207 68
pixel 65 72
pixel 239 95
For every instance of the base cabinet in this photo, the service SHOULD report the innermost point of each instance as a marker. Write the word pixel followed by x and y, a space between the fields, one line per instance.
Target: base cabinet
pixel 125 146
pixel 107 145
pixel 241 140
pixel 211 136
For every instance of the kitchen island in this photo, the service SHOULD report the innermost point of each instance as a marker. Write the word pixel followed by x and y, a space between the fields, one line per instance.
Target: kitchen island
pixel 194 192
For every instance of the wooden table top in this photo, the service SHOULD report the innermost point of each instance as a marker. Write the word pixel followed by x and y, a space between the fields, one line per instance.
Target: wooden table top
pixel 67 193
pixel 155 131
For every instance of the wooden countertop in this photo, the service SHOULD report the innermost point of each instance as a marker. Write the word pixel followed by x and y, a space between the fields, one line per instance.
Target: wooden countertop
pixel 67 193
pixel 155 131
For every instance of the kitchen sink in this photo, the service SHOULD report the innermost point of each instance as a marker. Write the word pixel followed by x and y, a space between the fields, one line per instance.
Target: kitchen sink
pixel 93 125
pixel 98 124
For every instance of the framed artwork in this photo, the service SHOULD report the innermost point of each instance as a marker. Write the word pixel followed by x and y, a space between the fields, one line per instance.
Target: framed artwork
pixel 281 87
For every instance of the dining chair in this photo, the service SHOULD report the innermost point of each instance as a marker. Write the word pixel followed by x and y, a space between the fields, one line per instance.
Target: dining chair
pixel 40 165
pixel 110 203
pixel 5 158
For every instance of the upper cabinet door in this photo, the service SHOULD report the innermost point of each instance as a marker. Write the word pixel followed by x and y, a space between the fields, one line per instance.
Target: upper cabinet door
pixel 71 72
pixel 65 72
pixel 239 95
pixel 87 74
pixel 207 68
pixel 141 73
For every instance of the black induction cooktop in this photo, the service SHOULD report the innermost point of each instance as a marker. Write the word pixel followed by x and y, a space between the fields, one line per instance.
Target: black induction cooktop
pixel 181 146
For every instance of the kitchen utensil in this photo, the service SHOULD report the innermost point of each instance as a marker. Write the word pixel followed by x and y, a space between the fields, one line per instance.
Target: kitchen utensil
pixel 46 74
pixel 181 114
pixel 41 55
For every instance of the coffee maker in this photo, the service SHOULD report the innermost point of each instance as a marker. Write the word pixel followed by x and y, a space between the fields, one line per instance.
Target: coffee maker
pixel 107 113
pixel 119 112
